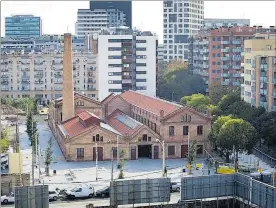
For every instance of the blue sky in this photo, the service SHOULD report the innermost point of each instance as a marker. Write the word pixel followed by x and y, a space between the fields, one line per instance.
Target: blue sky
pixel 57 16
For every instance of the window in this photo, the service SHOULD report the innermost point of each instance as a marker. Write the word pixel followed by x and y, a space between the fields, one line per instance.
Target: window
pixel 141 49
pixel 171 150
pixel 144 138
pixel 141 64
pixel 199 150
pixel 80 153
pixel 171 130
pixel 200 130
pixel 141 80
pixel 141 72
pixel 141 41
pixel 114 65
pixel 185 130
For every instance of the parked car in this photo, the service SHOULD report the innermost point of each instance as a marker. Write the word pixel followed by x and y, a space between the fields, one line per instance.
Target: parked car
pixel 104 192
pixel 175 187
pixel 80 192
pixel 53 195
pixel 5 199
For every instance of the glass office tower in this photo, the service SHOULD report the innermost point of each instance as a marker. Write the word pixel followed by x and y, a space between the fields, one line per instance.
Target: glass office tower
pixel 23 26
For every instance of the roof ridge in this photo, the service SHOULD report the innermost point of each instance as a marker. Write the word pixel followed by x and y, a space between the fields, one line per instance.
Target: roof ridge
pixel 157 98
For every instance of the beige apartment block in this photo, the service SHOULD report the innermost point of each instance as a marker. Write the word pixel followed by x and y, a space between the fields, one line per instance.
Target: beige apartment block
pixel 41 75
pixel 259 87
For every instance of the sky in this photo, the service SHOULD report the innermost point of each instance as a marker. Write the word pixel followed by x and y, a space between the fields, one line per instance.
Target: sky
pixel 59 17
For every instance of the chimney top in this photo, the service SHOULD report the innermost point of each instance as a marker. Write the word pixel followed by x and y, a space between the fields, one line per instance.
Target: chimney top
pixel 161 113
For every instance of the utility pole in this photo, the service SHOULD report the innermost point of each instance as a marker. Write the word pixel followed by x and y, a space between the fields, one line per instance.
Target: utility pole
pixel 96 161
pixel 33 153
pixel 118 155
pixel 112 165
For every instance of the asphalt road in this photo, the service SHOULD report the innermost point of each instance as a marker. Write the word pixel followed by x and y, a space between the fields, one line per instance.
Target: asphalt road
pixel 81 203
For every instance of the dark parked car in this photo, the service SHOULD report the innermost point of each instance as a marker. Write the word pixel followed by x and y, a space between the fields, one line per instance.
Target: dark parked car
pixel 104 192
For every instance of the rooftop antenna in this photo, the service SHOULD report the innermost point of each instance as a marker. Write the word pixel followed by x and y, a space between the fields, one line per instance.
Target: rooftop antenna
pixel 67 28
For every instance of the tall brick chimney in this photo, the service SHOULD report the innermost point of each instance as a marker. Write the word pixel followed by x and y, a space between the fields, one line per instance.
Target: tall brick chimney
pixel 68 110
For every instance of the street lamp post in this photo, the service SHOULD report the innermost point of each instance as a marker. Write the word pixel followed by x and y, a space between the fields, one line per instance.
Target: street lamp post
pixel 163 157
pixel 96 161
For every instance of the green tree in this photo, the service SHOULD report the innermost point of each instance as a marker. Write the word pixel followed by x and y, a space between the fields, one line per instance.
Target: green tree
pixel 121 164
pixel 180 82
pixel 192 154
pixel 4 140
pixel 217 91
pixel 236 135
pixel 31 128
pixel 199 101
pixel 266 127
pixel 48 156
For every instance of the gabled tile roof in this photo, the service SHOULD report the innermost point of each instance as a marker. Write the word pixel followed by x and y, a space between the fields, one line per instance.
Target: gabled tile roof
pixel 124 124
pixel 151 104
pixel 81 123
pixel 78 95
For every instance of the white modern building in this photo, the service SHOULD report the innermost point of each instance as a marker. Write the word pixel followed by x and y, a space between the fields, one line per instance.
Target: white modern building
pixel 182 19
pixel 127 60
pixel 210 23
pixel 93 21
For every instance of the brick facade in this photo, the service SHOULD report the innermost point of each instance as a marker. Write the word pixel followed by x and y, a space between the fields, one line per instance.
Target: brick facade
pixel 154 126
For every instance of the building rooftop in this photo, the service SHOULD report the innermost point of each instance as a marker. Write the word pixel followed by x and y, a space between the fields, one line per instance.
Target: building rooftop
pixel 123 123
pixel 82 122
pixel 151 104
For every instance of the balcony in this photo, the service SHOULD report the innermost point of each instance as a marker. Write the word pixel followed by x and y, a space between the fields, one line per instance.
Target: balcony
pixel 236 58
pixel 236 75
pixel 127 44
pixel 223 67
pixel 38 82
pixel 263 79
pixel 225 58
pixel 236 83
pixel 263 91
pixel 126 81
pixel 274 93
pixel 90 74
pixel 225 75
pixel 205 66
pixel 4 70
pixel 25 69
pixel 264 104
pixel 4 82
pixel 264 66
pixel 225 83
pixel 38 75
pixel 225 50
pixel 204 51
pixel 236 42
pixel 91 81
pixel 127 69
pixel 236 67
pixel 274 80
pixel 127 61
pixel 25 82
pixel 206 58
pixel 225 42
pixel 91 88
pixel 4 76
pixel 203 73
pixel 236 50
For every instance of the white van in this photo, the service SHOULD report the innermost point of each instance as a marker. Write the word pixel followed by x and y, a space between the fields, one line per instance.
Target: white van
pixel 80 192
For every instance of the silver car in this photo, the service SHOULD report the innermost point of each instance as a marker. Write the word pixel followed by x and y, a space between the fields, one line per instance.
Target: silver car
pixel 175 187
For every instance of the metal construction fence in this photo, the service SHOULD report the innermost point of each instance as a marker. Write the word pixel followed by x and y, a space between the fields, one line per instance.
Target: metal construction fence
pixel 124 192
pixel 32 196
pixel 236 185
